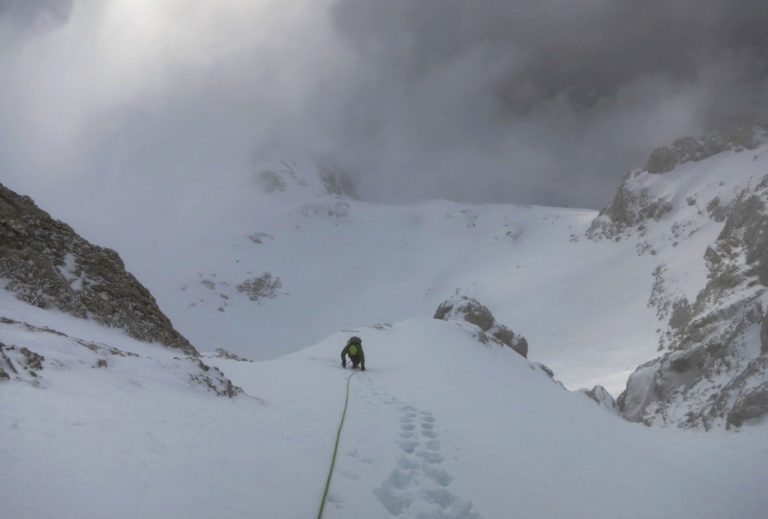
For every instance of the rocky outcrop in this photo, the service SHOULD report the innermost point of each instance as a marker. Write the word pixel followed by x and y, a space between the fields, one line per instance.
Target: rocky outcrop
pixel 713 373
pixel 637 205
pixel 692 149
pixel 633 207
pixel 463 308
pixel 261 287
pixel 335 181
pixel 45 263
pixel 221 353
pixel 66 353
pixel 603 398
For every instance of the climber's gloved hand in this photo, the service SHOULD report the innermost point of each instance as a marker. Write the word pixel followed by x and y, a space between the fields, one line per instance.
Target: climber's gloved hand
pixel 343 363
pixel 362 368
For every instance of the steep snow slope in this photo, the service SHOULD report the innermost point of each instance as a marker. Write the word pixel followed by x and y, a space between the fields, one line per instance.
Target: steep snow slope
pixel 439 426
pixel 705 225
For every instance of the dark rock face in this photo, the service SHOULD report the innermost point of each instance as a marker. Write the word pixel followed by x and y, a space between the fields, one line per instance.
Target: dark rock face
pixel 746 397
pixel 336 182
pixel 692 149
pixel 631 207
pixel 45 263
pixel 463 308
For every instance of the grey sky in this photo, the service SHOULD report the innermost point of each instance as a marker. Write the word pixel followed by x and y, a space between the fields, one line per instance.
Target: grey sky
pixel 546 101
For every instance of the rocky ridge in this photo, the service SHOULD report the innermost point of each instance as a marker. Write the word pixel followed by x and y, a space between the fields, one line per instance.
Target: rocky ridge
pixel 713 369
pixel 45 263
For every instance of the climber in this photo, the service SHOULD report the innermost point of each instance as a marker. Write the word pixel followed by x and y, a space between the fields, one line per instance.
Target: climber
pixel 354 349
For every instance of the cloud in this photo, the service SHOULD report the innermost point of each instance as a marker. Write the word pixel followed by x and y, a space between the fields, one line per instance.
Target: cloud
pixel 551 100
pixel 546 101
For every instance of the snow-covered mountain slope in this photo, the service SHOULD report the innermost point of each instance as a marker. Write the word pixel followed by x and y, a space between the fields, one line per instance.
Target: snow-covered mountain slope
pixel 673 265
pixel 439 426
pixel 705 223
pixel 288 258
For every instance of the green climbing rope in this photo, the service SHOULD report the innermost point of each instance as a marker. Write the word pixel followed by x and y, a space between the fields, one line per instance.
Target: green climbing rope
pixel 335 451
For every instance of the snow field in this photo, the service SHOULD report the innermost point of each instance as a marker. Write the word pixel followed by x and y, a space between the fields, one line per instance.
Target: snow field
pixel 439 426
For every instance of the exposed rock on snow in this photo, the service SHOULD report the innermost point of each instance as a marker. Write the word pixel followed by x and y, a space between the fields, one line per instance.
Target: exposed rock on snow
pixel 260 237
pixel 336 182
pixel 213 379
pixel 637 205
pixel 221 353
pixel 603 398
pixel 337 211
pixel 45 263
pixel 710 375
pixel 464 308
pixel 692 149
pixel 261 287
pixel 20 364
pixel 66 353
pixel 633 206
pixel 270 181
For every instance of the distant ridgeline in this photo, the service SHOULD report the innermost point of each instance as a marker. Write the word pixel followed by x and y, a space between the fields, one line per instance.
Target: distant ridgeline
pixel 45 263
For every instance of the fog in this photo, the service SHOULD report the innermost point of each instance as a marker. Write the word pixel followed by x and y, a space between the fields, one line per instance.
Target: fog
pixel 112 102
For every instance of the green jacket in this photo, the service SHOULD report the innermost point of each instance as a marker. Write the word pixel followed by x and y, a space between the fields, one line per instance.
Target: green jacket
pixel 360 353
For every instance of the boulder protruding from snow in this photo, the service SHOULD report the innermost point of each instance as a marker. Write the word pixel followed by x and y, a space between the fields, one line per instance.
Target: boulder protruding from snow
pixel 221 353
pixel 45 263
pixel 464 308
pixel 603 398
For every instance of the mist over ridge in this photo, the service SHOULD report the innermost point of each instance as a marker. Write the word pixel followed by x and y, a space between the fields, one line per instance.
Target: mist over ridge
pixel 544 102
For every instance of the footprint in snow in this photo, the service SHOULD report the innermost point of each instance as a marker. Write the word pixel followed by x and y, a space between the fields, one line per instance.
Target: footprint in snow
pixel 417 483
pixel 392 500
pixel 430 457
pixel 407 463
pixel 439 476
pixel 335 499
pixel 347 474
